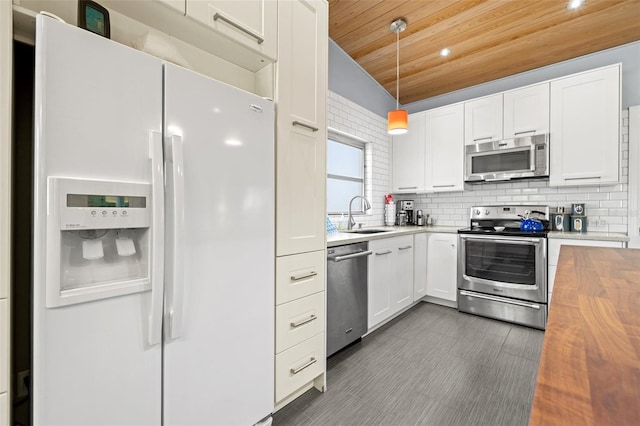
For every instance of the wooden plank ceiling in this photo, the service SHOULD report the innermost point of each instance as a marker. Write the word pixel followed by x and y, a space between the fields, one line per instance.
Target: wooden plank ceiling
pixel 489 39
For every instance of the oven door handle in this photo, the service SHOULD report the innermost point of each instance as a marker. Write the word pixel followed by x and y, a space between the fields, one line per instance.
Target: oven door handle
pixel 500 299
pixel 510 240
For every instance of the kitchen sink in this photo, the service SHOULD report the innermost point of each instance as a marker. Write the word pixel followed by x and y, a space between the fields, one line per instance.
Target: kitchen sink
pixel 368 231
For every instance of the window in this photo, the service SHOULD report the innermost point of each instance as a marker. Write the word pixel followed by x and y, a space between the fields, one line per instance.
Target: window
pixel 345 174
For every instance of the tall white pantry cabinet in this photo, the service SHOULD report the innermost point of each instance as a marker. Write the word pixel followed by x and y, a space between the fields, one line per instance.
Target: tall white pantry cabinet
pixel 301 137
pixel 6 40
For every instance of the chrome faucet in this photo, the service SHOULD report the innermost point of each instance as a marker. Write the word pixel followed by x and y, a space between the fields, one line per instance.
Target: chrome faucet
pixel 367 206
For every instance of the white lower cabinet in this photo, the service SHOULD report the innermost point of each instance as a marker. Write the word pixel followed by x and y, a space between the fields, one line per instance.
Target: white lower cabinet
pixel 553 253
pixel 390 284
pixel 419 266
pixel 4 348
pixel 299 320
pixel 300 325
pixel 4 409
pixel 299 365
pixel 442 263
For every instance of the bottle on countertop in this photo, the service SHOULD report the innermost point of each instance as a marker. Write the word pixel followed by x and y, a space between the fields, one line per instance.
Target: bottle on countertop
pixel 429 220
pixel 342 225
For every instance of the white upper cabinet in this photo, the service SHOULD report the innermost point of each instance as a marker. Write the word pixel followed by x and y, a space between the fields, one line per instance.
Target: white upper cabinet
pixel 526 111
pixel 301 126
pixel 408 154
pixel 254 23
pixel 445 149
pixel 179 5
pixel 483 120
pixel 585 128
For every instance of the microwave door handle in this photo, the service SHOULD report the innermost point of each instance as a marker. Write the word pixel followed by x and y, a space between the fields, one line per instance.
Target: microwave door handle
pixel 532 159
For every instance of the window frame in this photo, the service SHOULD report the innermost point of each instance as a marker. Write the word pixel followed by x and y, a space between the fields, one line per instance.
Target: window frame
pixel 346 139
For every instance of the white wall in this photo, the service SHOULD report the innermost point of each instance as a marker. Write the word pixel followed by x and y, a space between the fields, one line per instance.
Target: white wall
pixel 607 205
pixel 351 118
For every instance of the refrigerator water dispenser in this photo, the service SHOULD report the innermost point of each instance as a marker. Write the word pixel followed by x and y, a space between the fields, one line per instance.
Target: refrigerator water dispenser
pixel 98 240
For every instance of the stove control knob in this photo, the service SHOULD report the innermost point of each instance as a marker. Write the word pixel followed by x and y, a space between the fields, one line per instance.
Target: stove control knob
pixel 477 212
pixel 487 212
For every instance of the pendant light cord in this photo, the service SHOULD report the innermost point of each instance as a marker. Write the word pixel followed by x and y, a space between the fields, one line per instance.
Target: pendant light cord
pixel 398 69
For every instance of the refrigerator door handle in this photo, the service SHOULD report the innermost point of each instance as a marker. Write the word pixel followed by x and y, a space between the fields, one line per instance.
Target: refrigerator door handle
pixel 176 235
pixel 157 237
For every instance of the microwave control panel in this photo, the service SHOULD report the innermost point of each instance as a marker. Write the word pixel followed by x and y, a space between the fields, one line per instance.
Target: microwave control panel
pixel 541 159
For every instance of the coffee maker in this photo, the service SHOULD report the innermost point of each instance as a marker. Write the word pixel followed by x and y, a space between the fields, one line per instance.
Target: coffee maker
pixel 406 206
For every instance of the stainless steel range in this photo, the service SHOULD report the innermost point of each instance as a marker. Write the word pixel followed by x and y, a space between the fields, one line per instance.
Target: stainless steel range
pixel 502 270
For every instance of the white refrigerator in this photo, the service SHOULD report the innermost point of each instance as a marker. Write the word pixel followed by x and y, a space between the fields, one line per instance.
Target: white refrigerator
pixel 153 259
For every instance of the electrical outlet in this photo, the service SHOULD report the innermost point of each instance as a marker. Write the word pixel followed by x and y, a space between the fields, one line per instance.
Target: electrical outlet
pixel 22 383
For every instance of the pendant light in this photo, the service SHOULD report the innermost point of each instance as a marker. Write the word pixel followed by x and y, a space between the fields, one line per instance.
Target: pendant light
pixel 398 119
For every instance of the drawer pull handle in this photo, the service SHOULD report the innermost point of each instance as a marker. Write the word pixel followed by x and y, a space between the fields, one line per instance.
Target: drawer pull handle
pixel 444 186
pixel 404 248
pixel 304 321
pixel 523 132
pixel 302 367
pixel 407 187
pixel 582 177
pixel 298 123
pixel 383 252
pixel 237 26
pixel 483 139
pixel 303 276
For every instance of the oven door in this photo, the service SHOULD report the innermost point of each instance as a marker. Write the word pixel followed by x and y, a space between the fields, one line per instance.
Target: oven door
pixel 503 266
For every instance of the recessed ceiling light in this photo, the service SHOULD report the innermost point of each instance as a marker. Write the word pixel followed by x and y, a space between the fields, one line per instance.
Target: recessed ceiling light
pixel 445 52
pixel 574 4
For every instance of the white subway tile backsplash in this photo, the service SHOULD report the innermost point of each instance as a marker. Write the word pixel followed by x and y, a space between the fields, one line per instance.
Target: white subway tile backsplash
pixel 606 203
pixel 612 204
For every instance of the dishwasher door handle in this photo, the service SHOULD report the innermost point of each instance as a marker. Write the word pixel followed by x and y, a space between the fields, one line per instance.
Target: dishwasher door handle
pixel 351 256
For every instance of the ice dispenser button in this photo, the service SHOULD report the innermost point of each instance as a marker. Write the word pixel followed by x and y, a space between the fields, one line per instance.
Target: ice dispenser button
pixel 92 249
pixel 124 244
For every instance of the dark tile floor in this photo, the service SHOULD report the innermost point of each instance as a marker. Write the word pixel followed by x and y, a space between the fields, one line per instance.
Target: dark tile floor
pixel 430 366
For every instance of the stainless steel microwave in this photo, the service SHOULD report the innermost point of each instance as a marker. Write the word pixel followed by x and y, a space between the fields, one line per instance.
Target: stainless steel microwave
pixel 507 159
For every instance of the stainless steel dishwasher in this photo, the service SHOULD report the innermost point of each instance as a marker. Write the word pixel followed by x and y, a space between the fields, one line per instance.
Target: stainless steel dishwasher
pixel 346 295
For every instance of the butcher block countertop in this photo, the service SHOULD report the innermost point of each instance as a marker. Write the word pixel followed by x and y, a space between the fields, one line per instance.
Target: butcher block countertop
pixel 589 370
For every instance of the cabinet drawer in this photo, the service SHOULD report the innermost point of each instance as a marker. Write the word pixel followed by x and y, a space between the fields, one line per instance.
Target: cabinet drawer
pixel 299 365
pixel 4 346
pixel 299 320
pixel 4 409
pixel 300 275
pixel 554 246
